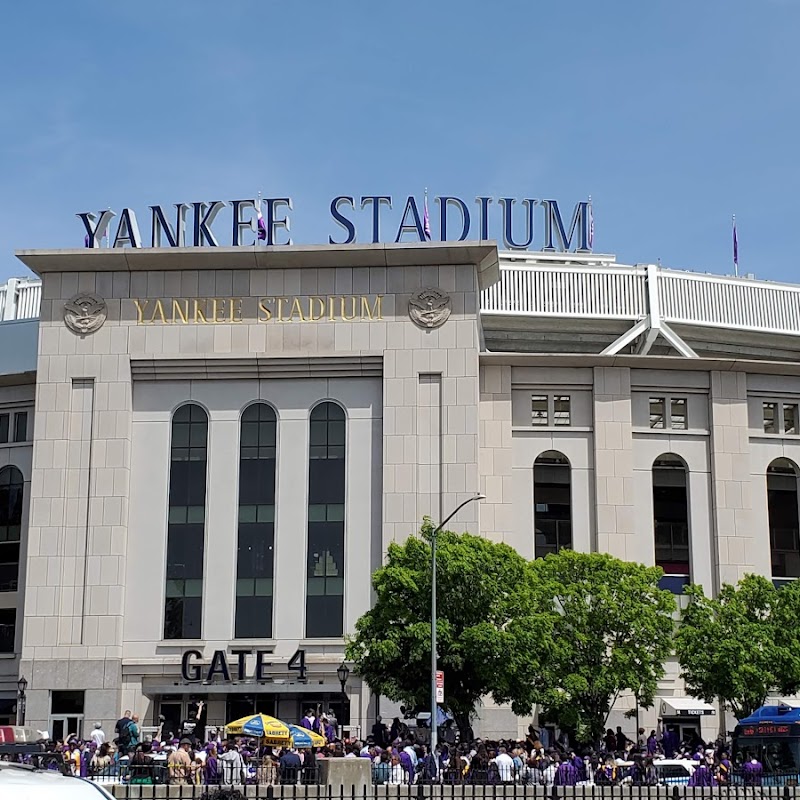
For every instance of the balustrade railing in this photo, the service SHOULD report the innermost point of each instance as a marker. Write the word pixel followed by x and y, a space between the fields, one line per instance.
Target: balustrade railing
pixel 617 292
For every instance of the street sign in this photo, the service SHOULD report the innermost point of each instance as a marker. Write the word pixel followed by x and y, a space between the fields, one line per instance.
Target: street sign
pixel 439 686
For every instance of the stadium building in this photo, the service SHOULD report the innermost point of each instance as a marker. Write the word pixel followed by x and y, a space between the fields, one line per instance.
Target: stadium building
pixel 204 453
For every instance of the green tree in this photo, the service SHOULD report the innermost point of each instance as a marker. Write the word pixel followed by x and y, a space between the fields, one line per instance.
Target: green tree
pixel 611 629
pixel 480 593
pixel 741 645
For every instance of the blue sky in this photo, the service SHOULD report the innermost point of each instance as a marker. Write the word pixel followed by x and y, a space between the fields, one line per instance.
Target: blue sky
pixel 672 115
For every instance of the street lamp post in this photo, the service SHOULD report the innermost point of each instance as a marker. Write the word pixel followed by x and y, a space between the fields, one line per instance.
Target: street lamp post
pixel 343 673
pixel 434 729
pixel 22 685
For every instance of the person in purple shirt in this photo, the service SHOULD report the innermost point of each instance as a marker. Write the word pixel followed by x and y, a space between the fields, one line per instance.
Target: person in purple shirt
pixel 309 721
pixel 578 763
pixel 408 766
pixel 566 774
pixel 326 729
pixel 211 769
pixel 724 769
pixel 752 772
pixel 702 776
pixel 86 755
pixel 652 743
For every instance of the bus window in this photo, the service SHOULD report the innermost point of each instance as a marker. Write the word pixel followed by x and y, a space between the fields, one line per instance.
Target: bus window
pixel 777 755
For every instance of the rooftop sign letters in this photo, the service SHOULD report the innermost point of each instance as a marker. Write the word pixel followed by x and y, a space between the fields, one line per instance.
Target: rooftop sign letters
pixel 525 223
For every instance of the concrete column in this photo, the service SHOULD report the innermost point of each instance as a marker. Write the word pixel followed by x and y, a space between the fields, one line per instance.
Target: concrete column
pixel 613 459
pixel 730 477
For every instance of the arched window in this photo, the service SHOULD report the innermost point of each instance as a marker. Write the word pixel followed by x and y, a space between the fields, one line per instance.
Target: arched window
pixel 255 559
pixel 784 527
pixel 671 521
pixel 12 489
pixel 552 503
pixel 186 527
pixel 326 487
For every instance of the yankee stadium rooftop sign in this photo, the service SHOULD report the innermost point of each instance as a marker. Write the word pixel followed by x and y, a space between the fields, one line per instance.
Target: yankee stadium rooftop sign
pixel 267 222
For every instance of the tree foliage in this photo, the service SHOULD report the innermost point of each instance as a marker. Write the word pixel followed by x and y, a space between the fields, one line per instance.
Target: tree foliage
pixel 611 629
pixel 742 644
pixel 481 591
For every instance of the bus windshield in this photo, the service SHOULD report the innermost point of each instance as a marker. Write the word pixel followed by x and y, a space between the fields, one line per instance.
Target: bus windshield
pixel 778 755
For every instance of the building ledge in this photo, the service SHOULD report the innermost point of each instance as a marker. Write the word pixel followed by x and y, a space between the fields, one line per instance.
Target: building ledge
pixel 482 254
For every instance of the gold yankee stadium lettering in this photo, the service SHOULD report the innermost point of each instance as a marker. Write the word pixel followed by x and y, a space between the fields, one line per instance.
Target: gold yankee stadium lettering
pixel 234 310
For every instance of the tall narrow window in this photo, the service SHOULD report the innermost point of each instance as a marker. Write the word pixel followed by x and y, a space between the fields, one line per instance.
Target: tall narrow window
pixel 677 414
pixel 790 419
pixel 21 426
pixel 770 417
pixel 784 522
pixel 539 409
pixel 326 487
pixel 186 527
pixel 552 498
pixel 561 412
pixel 657 412
pixel 671 521
pixel 255 559
pixel 12 488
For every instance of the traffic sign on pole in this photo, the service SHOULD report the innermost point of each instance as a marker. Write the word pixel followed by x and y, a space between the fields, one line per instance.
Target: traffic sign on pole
pixel 439 686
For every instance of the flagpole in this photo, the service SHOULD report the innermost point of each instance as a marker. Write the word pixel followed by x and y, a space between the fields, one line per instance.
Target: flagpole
pixel 735 248
pixel 426 219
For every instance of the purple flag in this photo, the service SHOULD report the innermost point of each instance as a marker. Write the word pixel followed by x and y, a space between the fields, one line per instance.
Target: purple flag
pixel 735 245
pixel 260 225
pixel 591 226
pixel 86 240
pixel 426 220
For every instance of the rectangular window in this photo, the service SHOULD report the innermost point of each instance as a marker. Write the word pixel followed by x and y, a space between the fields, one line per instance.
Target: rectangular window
pixel 538 409
pixel 4 428
pixel 677 414
pixel 657 410
pixel 8 626
pixel 561 415
pixel 770 414
pixel 790 419
pixel 67 702
pixel 9 565
pixel 21 426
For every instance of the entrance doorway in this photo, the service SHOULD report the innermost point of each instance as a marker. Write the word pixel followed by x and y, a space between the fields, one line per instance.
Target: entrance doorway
pixel 66 715
pixel 242 705
pixel 224 708
pixel 688 732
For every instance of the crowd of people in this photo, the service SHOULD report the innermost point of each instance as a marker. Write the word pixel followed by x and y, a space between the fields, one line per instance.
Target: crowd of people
pixel 200 756
pixel 530 762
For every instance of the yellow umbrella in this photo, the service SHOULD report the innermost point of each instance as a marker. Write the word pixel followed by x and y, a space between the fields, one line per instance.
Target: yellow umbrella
pixel 303 737
pixel 262 727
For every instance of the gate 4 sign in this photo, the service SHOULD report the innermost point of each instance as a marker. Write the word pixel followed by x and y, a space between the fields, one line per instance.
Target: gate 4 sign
pixel 439 686
pixel 219 668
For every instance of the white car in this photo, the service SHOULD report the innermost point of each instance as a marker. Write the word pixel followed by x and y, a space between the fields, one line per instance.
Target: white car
pixel 674 771
pixel 670 771
pixel 21 782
